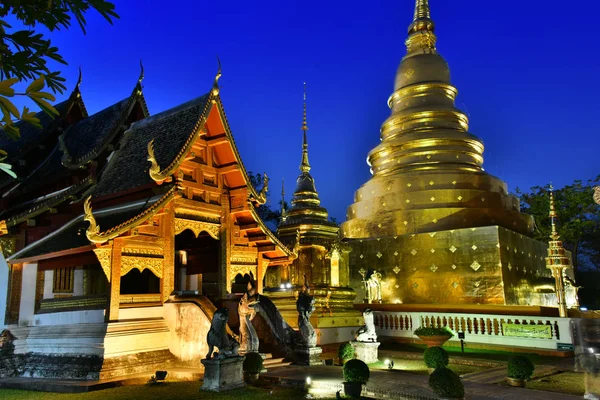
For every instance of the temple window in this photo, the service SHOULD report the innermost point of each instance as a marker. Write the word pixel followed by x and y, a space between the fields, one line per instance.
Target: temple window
pixel 63 280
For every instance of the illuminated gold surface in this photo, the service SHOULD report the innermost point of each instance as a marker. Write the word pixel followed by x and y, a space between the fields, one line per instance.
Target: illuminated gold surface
pixel 439 228
pixel 487 265
pixel 427 170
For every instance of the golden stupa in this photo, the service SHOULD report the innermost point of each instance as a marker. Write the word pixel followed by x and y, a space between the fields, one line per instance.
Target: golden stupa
pixel 322 262
pixel 436 225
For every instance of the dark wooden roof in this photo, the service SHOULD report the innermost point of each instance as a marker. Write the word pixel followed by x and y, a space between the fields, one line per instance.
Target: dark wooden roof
pixel 128 167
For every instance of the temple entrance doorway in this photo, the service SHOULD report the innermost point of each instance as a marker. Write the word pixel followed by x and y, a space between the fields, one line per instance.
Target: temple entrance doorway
pixel 197 263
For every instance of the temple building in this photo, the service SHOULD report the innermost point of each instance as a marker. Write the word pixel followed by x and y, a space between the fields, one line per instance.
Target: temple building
pixel 430 220
pixel 322 262
pixel 113 215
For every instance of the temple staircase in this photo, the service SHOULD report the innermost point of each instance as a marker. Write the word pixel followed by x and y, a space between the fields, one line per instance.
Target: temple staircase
pixel 269 362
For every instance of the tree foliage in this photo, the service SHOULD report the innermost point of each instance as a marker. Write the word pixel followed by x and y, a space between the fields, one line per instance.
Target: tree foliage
pixel 578 219
pixel 266 213
pixel 25 53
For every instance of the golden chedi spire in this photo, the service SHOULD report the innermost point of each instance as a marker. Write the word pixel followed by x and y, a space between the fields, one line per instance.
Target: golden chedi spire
pixel 427 170
pixel 557 260
pixel 305 213
pixel 304 165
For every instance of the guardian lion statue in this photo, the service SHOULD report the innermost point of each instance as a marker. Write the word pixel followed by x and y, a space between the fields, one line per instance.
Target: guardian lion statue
pixel 217 336
pixel 366 333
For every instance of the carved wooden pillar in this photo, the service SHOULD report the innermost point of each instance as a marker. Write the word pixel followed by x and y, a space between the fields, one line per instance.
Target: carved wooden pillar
pixel 114 299
pixel 223 278
pixel 261 269
pixel 167 282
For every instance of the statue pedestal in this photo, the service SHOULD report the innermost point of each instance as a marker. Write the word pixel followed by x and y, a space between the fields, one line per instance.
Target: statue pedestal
pixel 366 351
pixel 223 374
pixel 308 356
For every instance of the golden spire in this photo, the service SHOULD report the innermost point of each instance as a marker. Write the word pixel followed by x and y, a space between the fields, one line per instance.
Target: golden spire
pixel 282 199
pixel 304 166
pixel 420 31
pixel 554 233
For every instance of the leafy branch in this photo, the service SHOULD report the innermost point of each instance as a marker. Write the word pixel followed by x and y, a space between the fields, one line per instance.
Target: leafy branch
pixel 24 56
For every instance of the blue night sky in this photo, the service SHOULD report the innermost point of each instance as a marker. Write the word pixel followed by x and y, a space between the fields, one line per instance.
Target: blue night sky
pixel 527 75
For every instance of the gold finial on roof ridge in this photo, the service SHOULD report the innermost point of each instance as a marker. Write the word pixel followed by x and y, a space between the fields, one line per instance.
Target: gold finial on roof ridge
pixel 215 88
pixel 141 77
pixel 305 165
pixel 79 79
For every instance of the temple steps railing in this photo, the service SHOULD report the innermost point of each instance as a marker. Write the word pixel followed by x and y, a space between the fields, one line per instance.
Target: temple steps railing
pixel 479 328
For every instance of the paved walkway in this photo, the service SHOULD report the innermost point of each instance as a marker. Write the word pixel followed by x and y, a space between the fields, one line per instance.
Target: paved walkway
pixel 326 380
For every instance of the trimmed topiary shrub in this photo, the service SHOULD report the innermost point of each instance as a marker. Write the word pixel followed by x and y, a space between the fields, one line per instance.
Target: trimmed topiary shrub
pixel 345 351
pixel 253 363
pixel 435 357
pixel 520 367
pixel 430 331
pixel 356 371
pixel 445 383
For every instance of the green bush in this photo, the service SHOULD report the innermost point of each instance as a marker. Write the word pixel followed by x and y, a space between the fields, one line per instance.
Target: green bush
pixel 423 331
pixel 253 363
pixel 435 357
pixel 520 367
pixel 356 371
pixel 445 383
pixel 346 351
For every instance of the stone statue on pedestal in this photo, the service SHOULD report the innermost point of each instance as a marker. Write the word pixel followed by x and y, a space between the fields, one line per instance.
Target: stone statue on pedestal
pixel 365 341
pixel 366 333
pixel 247 312
pixel 217 336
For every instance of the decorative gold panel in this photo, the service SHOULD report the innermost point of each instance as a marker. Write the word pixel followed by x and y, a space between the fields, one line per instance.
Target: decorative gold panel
pixel 197 227
pixel 104 257
pixel 154 264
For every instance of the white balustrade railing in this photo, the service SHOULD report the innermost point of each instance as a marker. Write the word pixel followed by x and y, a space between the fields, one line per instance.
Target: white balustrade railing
pixel 478 328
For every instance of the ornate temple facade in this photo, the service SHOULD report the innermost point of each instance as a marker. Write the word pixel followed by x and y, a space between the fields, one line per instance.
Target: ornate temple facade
pixel 115 212
pixel 322 262
pixel 430 220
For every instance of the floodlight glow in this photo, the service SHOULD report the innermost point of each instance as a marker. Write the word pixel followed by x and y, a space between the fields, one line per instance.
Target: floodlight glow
pixel 288 285
pixel 387 362
pixel 282 286
pixel 583 308
pixel 308 380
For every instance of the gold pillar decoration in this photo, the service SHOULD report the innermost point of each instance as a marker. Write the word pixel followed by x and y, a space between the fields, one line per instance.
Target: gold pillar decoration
pixel 167 283
pixel 103 254
pixel 224 268
pixel 114 299
pixel 557 261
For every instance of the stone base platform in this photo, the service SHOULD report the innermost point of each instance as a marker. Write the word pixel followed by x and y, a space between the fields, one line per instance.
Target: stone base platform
pixel 308 356
pixel 223 374
pixel 366 351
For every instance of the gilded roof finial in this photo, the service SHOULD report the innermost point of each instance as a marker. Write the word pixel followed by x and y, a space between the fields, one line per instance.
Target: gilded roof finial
pixel 79 79
pixel 141 78
pixel 215 89
pixel 305 165
pixel 554 233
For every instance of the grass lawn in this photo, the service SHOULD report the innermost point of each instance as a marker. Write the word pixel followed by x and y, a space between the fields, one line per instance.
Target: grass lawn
pixel 563 382
pixel 419 367
pixel 495 355
pixel 168 390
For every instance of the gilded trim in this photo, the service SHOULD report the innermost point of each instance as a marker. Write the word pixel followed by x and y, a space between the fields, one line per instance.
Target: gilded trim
pixel 293 254
pixel 159 175
pixel 154 264
pixel 93 232
pixel 181 224
pixel 104 256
